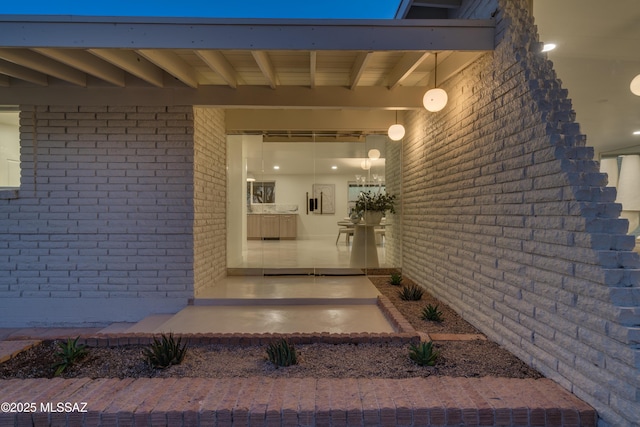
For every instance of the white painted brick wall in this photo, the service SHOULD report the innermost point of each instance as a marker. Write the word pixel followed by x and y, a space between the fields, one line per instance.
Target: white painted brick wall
pixel 210 197
pixel 507 220
pixel 105 209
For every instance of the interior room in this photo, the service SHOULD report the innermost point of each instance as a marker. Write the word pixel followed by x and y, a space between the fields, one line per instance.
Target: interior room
pixel 308 182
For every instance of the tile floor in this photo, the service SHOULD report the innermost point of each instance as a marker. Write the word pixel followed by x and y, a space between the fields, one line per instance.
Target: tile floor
pixel 319 253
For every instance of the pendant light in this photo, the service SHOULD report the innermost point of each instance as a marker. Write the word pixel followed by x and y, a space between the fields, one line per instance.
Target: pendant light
pixel 374 154
pixel 635 85
pixel 396 132
pixel 435 99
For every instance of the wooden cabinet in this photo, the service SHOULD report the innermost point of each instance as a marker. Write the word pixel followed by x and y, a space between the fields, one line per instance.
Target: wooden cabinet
pixel 253 227
pixel 272 226
pixel 288 227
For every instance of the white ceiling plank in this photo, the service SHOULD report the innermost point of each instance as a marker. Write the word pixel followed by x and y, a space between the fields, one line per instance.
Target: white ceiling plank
pixel 313 65
pixel 407 64
pixel 132 63
pixel 172 64
pixel 449 67
pixel 45 65
pixel 359 65
pixel 265 65
pixel 22 73
pixel 218 63
pixel 87 63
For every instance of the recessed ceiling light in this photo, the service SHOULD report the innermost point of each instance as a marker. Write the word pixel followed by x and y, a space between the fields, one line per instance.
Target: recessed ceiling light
pixel 334 167
pixel 548 47
pixel 276 167
pixel 636 132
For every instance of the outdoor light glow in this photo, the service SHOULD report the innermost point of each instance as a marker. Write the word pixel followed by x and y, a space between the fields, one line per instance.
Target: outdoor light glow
pixel 548 47
pixel 635 85
pixel 435 99
pixel 396 132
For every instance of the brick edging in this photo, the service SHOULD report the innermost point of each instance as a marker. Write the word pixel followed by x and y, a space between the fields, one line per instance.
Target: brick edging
pixel 300 402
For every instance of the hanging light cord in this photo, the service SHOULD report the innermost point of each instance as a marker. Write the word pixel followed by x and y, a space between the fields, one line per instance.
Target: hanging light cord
pixel 435 72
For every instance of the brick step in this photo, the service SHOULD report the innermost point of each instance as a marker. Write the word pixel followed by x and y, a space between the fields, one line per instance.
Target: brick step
pixel 441 401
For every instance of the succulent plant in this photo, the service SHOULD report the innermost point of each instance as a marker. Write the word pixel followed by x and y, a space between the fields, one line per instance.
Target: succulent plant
pixel 165 352
pixel 396 279
pixel 423 354
pixel 431 312
pixel 281 353
pixel 411 293
pixel 70 352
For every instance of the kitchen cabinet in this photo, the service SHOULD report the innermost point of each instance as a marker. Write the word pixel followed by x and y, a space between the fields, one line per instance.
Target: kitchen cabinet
pixel 253 227
pixel 272 226
pixel 288 227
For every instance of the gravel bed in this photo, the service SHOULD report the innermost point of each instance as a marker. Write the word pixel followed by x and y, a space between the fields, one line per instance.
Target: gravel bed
pixel 456 358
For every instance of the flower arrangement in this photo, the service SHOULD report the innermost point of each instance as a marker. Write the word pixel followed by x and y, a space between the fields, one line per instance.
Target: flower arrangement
pixel 379 202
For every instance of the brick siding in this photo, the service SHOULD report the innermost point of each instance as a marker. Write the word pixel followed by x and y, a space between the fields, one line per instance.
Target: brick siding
pixel 506 218
pixel 210 197
pixel 104 213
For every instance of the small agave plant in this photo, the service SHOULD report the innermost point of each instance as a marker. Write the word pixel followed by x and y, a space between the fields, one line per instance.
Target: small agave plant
pixel 411 293
pixel 69 353
pixel 431 312
pixel 281 353
pixel 423 354
pixel 165 352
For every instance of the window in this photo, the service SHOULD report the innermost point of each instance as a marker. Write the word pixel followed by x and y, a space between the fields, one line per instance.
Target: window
pixel 9 149
pixel 261 192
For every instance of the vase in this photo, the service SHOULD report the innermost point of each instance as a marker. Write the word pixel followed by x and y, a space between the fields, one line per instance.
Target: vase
pixel 373 217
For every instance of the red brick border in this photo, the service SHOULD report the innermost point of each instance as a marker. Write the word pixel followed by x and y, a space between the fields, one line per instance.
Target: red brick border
pixel 441 401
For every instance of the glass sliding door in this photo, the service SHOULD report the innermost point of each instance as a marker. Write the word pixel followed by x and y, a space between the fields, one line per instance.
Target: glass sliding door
pixel 293 204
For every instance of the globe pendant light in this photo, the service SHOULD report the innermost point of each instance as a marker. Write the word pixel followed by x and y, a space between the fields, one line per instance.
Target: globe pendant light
pixel 435 99
pixel 635 85
pixel 396 132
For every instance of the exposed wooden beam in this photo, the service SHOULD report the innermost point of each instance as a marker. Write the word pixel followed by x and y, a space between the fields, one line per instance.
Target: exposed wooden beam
pixel 22 73
pixel 265 65
pixel 45 65
pixel 367 97
pixel 132 63
pixel 172 64
pixel 250 34
pixel 359 65
pixel 448 4
pixel 218 63
pixel 313 63
pixel 86 62
pixel 403 9
pixel 407 64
